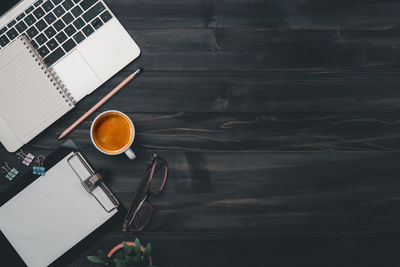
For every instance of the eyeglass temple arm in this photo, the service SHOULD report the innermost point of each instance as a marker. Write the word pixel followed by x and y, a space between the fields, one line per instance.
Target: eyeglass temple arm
pixel 135 199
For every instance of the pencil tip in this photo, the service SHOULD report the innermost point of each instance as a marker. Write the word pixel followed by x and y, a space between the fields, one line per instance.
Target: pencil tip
pixel 138 71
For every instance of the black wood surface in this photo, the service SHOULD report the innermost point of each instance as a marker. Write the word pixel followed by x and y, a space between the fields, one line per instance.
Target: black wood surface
pixel 280 123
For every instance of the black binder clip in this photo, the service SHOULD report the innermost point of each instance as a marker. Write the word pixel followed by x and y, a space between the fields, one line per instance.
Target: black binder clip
pixel 26 158
pixel 39 169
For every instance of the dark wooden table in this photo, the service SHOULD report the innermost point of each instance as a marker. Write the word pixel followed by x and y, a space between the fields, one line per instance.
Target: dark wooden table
pixel 280 123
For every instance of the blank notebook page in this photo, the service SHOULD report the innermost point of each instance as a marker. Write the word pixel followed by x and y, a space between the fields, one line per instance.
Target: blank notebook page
pixel 29 101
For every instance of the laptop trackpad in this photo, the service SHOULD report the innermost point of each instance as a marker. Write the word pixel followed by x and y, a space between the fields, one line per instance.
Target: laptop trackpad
pixel 77 75
pixel 109 49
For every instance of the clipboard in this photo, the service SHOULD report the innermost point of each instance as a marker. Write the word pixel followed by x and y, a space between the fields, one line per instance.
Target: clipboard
pixel 57 211
pixel 93 181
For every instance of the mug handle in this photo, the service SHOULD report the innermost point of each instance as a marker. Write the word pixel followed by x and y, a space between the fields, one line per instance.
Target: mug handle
pixel 130 154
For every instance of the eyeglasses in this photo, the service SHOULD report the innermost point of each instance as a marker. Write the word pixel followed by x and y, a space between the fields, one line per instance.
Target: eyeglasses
pixel 152 183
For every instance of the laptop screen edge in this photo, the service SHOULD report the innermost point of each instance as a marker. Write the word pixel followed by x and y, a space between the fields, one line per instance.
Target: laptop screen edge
pixel 7 5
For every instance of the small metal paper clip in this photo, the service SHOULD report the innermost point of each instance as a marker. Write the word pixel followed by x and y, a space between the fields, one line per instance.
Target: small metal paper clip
pixel 39 169
pixel 92 182
pixel 26 158
pixel 11 173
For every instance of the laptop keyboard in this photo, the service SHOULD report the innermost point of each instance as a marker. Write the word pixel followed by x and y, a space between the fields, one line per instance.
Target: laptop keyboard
pixel 55 27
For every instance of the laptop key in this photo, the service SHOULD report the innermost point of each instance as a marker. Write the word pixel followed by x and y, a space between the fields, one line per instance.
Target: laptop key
pixel 85 4
pixel 29 10
pixel 21 26
pixel 59 25
pixel 93 12
pixel 41 39
pixel 68 45
pixel 12 34
pixel 61 37
pixel 97 23
pixel 34 44
pixel 3 30
pixel 47 6
pixel 56 2
pixel 50 18
pixel 52 44
pixel 12 23
pixel 77 11
pixel 88 30
pixel 41 25
pixel 4 40
pixel 32 32
pixel 79 23
pixel 68 18
pixel 53 57
pixel 29 20
pixel 68 4
pixel 50 32
pixel 70 30
pixel 59 11
pixel 39 12
pixel 21 16
pixel 76 1
pixel 106 16
pixel 38 2
pixel 43 51
pixel 79 37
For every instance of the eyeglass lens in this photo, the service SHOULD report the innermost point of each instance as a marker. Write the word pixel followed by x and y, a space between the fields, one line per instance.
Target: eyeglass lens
pixel 152 182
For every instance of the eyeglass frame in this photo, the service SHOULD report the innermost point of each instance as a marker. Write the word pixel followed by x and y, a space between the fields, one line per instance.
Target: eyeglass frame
pixel 145 182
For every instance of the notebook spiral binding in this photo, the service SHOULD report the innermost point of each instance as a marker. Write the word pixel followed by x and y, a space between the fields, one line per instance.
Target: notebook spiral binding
pixel 51 74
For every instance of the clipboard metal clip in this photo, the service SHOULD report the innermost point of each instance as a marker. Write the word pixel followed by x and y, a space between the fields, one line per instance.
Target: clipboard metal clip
pixel 94 181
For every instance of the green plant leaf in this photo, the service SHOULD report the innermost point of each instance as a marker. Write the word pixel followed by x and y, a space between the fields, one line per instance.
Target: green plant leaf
pixel 130 259
pixel 121 263
pixel 138 247
pixel 127 248
pixel 95 259
pixel 120 255
pixel 102 255
pixel 147 251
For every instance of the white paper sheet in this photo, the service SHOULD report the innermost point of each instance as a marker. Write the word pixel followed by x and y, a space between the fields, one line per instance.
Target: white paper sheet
pixel 51 215
pixel 29 102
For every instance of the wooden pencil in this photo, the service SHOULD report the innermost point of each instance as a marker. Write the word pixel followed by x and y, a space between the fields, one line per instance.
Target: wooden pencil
pixel 100 103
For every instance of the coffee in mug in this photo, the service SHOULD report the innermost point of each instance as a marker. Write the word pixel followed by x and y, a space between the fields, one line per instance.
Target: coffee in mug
pixel 112 133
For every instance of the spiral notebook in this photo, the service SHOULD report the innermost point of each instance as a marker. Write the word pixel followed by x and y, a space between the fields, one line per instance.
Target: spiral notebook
pixel 32 95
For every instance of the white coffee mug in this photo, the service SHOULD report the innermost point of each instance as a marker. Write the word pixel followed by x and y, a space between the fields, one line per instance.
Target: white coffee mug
pixel 126 147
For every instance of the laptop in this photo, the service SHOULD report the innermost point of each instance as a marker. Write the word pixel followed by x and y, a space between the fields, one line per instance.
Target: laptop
pixel 81 40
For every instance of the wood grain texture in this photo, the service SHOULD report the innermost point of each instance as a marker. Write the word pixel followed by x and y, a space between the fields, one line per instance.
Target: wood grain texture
pixel 280 123
pixel 294 92
pixel 267 49
pixel 258 14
